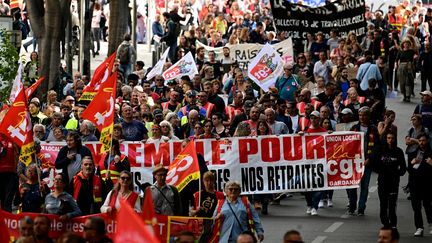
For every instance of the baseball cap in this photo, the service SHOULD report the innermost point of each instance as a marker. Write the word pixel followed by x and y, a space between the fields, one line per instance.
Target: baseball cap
pixel 157 112
pixel 192 93
pixel 346 111
pixel 426 92
pixel 315 113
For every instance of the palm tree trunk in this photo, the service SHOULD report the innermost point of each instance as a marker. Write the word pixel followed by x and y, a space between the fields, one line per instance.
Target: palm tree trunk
pixel 118 22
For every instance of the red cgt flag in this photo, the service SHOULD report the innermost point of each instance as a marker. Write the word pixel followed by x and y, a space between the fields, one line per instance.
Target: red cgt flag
pixel 100 76
pixel 17 126
pixel 184 168
pixel 131 228
pixel 101 111
pixel 148 212
pixel 30 90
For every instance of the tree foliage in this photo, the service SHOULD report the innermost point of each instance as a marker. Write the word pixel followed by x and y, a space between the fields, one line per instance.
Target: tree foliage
pixel 8 65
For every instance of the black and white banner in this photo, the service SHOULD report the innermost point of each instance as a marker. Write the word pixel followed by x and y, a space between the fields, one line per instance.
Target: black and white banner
pixel 298 20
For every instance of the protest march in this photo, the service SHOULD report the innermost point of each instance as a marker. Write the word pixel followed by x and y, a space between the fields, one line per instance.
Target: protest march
pixel 247 108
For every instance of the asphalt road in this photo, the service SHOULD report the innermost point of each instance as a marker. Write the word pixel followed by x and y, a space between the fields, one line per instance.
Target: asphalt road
pixel 332 224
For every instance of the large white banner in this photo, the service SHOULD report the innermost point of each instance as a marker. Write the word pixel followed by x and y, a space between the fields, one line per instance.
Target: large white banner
pixel 266 67
pixel 185 66
pixel 244 53
pixel 266 164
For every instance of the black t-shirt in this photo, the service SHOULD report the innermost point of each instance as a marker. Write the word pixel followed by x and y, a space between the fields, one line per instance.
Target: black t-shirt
pixel 208 204
pixel 217 67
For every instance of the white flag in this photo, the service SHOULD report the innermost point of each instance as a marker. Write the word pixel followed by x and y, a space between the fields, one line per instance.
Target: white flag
pixel 158 68
pixel 185 66
pixel 17 84
pixel 266 67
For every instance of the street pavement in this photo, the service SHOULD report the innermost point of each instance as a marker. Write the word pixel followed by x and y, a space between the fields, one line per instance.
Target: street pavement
pixel 332 224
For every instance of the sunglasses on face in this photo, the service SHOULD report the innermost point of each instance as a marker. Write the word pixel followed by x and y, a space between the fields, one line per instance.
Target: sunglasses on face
pixel 125 178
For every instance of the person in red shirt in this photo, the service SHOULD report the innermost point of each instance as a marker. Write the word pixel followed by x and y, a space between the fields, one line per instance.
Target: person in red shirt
pixel 313 198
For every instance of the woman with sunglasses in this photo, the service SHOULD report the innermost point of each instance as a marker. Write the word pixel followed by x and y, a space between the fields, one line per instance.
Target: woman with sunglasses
pixel 157 135
pixel 122 190
pixel 60 202
pixel 230 214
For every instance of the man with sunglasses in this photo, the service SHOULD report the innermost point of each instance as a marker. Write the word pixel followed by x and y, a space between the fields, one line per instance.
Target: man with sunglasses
pixel 288 83
pixel 166 198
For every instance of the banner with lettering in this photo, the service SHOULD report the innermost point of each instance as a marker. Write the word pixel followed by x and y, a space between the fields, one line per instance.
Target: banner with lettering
pixel 186 66
pixel 298 20
pixel 244 53
pixel 265 164
pixel 266 67
pixel 167 228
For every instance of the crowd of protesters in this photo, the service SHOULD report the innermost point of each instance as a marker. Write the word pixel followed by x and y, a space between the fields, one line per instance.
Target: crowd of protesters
pixel 319 92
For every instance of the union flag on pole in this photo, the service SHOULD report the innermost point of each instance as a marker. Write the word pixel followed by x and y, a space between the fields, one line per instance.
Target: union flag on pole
pixel 184 168
pixel 100 76
pixel 101 111
pixel 30 90
pixel 131 228
pixel 185 66
pixel 17 85
pixel 18 127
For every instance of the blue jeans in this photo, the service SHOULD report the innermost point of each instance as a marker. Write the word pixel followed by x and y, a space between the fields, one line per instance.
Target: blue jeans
pixel 126 69
pixel 364 191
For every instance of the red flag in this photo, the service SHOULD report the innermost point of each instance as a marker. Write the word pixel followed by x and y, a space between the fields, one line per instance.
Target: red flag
pixel 131 228
pixel 18 127
pixel 101 111
pixel 148 211
pixel 4 233
pixel 100 76
pixel 184 168
pixel 30 90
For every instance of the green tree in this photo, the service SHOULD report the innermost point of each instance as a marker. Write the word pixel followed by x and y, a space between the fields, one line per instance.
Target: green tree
pixel 8 65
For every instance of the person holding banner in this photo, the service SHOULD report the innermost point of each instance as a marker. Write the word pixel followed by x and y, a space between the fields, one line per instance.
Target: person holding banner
pixel 313 198
pixel 234 215
pixel 371 148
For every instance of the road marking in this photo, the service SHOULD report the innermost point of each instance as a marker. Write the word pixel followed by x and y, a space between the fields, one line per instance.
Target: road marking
pixel 319 239
pixel 345 216
pixel 333 227
pixel 373 189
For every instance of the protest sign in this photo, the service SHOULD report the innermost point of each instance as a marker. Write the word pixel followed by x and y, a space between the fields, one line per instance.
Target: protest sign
pixel 184 67
pixel 298 20
pixel 167 228
pixel 266 67
pixel 265 164
pixel 244 53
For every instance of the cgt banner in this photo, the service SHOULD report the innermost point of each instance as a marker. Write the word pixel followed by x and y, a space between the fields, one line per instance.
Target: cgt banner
pixel 265 164
pixel 166 229
pixel 298 20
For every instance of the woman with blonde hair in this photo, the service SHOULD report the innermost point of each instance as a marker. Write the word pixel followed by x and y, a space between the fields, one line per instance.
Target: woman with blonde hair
pixel 167 130
pixel 244 35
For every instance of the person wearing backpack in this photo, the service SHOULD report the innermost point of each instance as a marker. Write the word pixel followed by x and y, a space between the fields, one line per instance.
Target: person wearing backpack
pixel 171 34
pixel 234 215
pixel 126 55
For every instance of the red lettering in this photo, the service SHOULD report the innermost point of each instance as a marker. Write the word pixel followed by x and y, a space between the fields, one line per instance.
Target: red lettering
pixel 216 153
pixel 292 148
pixel 270 149
pixel 153 156
pixel 199 146
pixel 176 148
pixel 247 147
pixel 315 147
